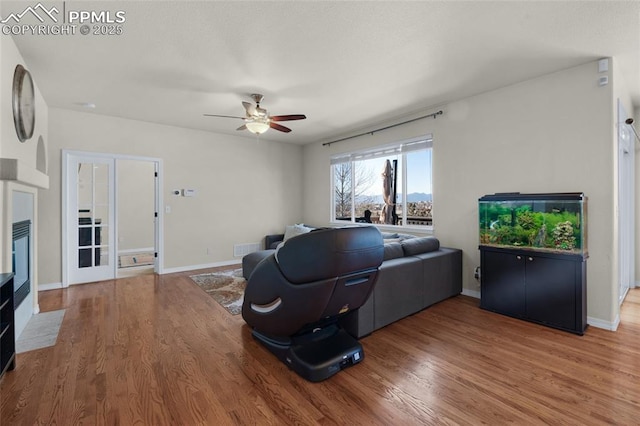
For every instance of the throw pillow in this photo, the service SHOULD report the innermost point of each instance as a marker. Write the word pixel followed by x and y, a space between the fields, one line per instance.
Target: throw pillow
pixel 387 235
pixel 420 245
pixel 293 230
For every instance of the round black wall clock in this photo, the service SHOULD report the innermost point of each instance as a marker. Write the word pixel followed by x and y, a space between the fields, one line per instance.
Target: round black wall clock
pixel 24 108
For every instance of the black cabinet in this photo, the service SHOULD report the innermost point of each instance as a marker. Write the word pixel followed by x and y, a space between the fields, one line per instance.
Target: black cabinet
pixel 7 325
pixel 546 288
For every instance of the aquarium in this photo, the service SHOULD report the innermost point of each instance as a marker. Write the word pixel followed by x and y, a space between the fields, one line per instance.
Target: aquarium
pixel 543 222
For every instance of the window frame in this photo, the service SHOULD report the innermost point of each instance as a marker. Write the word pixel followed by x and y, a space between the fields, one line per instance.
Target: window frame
pixel 402 148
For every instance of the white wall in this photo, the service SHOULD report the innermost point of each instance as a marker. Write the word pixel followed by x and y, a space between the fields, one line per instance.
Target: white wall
pixel 550 134
pixel 245 188
pixel 31 156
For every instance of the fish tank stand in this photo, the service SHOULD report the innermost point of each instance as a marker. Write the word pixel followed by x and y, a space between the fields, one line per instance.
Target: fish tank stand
pixel 533 258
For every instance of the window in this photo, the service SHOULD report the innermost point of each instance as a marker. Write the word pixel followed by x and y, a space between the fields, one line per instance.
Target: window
pixel 388 185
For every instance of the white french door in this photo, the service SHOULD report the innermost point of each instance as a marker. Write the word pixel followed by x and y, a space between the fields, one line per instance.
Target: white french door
pixel 90 230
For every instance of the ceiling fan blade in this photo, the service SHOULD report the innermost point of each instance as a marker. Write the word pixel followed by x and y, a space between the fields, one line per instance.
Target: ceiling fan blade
pixel 243 127
pixel 249 108
pixel 223 116
pixel 279 127
pixel 288 117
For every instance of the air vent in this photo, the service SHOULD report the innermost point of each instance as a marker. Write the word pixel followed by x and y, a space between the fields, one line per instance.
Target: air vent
pixel 240 250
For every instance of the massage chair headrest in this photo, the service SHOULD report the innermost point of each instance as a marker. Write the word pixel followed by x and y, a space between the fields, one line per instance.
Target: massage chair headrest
pixel 330 252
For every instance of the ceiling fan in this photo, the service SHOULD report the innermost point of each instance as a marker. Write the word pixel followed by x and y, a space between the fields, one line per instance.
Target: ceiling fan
pixel 257 119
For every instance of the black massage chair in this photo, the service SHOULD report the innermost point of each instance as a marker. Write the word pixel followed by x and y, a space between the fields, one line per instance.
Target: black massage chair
pixel 295 297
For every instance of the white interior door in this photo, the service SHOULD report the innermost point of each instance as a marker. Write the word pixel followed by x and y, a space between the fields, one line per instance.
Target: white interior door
pixel 90 215
pixel 626 203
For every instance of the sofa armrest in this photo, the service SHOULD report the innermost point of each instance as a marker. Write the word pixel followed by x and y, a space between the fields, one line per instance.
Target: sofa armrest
pixel 271 241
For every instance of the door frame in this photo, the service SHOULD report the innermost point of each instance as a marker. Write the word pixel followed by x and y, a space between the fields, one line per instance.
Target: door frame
pixel 626 204
pixel 158 267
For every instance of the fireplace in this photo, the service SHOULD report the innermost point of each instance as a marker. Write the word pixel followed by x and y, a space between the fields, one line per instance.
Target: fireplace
pixel 21 250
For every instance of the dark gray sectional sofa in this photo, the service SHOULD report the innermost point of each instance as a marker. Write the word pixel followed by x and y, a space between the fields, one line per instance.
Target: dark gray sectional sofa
pixel 416 273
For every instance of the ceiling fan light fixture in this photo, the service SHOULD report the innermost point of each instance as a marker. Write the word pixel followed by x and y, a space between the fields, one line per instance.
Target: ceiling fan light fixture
pixel 258 120
pixel 257 127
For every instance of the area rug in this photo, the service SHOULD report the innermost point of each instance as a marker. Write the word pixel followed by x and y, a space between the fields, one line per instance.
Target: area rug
pixel 226 288
pixel 40 332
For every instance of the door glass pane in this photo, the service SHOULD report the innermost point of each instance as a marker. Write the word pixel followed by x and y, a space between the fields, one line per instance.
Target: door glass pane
pixel 93 214
pixel 102 256
pixel 85 185
pixel 101 215
pixel 101 174
pixel 101 236
pixel 84 258
pixel 84 236
pixel 102 193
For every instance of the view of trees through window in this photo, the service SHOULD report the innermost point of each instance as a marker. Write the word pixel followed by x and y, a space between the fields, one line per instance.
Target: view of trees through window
pixel 364 183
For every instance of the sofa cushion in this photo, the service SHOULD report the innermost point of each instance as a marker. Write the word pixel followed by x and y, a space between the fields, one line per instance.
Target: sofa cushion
pixel 419 245
pixel 393 250
pixel 442 271
pixel 399 291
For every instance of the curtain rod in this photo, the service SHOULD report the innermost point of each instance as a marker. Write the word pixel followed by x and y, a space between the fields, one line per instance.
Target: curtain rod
pixel 371 132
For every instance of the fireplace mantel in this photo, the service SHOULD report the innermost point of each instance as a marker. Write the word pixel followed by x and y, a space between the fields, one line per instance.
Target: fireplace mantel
pixel 15 170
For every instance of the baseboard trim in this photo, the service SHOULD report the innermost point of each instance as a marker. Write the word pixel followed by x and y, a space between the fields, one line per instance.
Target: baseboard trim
pixel 471 293
pixel 606 325
pixel 49 286
pixel 203 266
pixel 593 322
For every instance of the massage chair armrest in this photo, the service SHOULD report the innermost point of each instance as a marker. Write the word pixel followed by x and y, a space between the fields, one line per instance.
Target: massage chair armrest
pixel 275 307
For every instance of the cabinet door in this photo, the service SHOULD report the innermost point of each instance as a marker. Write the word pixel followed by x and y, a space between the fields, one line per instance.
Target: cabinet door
pixel 551 291
pixel 503 287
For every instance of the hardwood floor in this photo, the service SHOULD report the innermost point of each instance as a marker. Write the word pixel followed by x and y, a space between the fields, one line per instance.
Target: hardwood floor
pixel 157 351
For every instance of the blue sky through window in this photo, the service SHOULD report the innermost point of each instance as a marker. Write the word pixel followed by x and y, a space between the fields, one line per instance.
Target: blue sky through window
pixel 418 173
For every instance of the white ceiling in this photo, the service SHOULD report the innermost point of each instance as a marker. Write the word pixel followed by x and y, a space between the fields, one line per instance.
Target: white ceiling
pixel 346 65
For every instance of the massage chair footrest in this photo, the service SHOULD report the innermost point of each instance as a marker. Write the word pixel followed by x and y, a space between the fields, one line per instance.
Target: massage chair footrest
pixel 317 356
